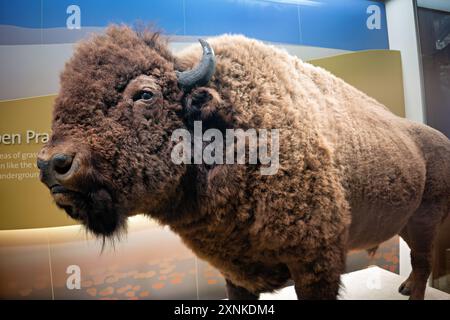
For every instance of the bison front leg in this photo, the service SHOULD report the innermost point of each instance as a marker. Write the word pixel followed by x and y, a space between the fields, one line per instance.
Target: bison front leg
pixel 238 293
pixel 320 279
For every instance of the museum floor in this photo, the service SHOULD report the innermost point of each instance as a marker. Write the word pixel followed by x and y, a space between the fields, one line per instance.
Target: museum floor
pixel 372 283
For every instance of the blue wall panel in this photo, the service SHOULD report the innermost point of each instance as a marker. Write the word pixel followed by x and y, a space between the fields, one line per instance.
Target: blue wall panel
pixel 342 24
pixel 167 14
pixel 257 19
pixel 323 23
pixel 21 13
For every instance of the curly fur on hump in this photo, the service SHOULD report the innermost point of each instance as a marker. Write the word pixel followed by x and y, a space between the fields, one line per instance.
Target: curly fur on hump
pixel 351 173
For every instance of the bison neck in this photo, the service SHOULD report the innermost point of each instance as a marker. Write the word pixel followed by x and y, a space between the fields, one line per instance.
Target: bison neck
pixel 206 196
pixel 181 207
pixel 212 210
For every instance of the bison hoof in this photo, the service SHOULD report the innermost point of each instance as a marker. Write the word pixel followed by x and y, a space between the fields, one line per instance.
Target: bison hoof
pixel 405 288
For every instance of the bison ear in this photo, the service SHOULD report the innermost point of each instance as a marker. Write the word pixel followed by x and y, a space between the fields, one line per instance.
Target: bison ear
pixel 204 104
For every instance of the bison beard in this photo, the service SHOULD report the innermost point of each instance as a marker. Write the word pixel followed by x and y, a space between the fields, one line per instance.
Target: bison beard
pixel 96 210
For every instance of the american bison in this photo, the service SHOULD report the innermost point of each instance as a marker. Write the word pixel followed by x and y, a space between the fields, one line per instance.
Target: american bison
pixel 351 174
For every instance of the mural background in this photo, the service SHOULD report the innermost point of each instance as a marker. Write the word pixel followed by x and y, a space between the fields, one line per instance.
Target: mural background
pixel 38 242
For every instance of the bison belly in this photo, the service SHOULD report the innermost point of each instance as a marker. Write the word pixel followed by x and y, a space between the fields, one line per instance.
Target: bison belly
pixel 384 196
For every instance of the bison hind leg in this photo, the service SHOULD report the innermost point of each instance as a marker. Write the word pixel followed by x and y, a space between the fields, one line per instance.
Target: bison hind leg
pixel 372 251
pixel 419 233
pixel 405 287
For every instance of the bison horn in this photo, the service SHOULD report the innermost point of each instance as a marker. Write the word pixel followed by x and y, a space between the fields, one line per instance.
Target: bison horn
pixel 202 73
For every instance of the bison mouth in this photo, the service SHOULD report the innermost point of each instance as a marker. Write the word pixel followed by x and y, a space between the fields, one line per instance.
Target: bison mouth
pixel 95 209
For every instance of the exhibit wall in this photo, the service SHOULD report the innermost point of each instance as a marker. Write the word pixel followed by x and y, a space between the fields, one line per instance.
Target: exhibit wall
pixel 42 251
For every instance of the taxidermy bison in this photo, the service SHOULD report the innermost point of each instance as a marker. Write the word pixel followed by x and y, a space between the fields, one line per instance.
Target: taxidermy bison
pixel 351 174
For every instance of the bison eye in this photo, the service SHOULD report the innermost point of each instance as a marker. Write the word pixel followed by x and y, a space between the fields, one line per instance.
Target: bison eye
pixel 143 95
pixel 146 95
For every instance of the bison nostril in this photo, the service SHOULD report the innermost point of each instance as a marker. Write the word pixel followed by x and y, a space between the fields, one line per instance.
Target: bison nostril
pixel 41 164
pixel 62 163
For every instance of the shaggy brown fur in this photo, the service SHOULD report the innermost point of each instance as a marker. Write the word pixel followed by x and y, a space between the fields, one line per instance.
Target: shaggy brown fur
pixel 351 173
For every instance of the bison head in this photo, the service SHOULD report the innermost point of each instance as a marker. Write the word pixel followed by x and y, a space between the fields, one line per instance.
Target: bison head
pixel 109 155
